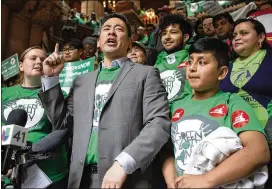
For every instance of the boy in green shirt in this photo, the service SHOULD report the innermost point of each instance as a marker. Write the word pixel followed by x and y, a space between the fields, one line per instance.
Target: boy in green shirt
pixel 172 61
pixel 196 116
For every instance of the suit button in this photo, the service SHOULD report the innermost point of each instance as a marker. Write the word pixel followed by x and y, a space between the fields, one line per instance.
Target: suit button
pixel 81 162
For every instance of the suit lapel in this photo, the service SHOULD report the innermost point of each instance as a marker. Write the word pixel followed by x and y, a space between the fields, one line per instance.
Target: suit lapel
pixel 127 66
pixel 90 84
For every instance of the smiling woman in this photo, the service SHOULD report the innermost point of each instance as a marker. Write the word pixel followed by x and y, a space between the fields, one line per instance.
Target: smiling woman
pixel 25 96
pixel 251 71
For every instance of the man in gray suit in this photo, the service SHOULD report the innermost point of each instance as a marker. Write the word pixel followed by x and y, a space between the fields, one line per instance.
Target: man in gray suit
pixel 119 114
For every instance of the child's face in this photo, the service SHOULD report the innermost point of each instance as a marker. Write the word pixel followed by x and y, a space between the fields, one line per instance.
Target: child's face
pixel 203 73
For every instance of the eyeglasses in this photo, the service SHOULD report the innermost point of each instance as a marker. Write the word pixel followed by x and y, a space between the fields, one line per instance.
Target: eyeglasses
pixel 68 49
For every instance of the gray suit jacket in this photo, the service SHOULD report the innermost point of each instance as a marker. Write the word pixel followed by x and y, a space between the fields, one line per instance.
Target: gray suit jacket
pixel 134 119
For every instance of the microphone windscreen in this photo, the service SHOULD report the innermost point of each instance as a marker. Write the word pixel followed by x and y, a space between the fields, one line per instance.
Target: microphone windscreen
pixel 17 117
pixel 50 142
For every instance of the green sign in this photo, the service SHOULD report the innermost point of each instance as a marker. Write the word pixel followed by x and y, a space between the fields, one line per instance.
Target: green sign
pixel 194 7
pixel 10 67
pixel 72 70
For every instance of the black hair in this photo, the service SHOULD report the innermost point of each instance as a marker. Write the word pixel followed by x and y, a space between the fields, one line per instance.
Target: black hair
pixel 74 42
pixel 206 17
pixel 266 3
pixel 150 25
pixel 258 27
pixel 250 12
pixel 184 25
pixel 218 48
pixel 121 17
pixel 197 23
pixel 225 15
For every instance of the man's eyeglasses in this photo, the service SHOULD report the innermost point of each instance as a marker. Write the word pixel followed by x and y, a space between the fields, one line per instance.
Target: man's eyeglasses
pixel 68 49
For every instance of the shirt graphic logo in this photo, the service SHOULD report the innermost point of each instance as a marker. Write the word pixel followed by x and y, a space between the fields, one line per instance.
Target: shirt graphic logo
pixel 173 81
pixel 5 134
pixel 178 114
pixel 101 94
pixel 171 59
pixel 186 133
pixel 33 107
pixel 219 111
pixel 239 119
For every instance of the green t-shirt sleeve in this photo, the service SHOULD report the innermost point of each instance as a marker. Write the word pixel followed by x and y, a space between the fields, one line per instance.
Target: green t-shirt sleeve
pixel 242 116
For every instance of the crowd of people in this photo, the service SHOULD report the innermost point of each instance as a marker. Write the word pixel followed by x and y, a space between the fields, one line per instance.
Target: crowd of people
pixel 179 105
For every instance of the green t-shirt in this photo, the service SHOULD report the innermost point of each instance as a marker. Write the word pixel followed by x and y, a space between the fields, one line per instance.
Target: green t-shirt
pixel 79 20
pixel 103 84
pixel 241 73
pixel 93 24
pixel 17 97
pixel 144 40
pixel 172 69
pixel 193 120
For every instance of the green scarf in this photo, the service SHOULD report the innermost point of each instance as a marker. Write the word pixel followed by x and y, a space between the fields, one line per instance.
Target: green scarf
pixel 172 61
pixel 243 70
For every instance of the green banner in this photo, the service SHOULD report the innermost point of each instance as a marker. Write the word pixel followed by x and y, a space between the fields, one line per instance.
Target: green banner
pixel 10 67
pixel 72 70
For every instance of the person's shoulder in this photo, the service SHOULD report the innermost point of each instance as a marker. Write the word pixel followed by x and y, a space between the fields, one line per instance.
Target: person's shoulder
pixel 8 92
pixel 9 89
pixel 235 102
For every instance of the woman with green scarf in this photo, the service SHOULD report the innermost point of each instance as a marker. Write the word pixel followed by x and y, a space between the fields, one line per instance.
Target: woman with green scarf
pixel 172 61
pixel 249 75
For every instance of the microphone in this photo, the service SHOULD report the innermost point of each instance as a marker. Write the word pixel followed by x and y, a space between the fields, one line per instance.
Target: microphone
pixel 13 136
pixel 50 142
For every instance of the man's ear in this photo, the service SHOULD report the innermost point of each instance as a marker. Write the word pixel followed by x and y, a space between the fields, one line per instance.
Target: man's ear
pixel 21 66
pixel 223 71
pixel 98 43
pixel 129 44
pixel 186 38
pixel 80 51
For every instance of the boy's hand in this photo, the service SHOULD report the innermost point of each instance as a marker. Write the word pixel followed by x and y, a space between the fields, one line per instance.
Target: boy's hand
pixel 192 181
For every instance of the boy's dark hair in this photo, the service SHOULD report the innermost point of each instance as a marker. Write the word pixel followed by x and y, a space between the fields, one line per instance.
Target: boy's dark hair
pixel 225 15
pixel 121 17
pixel 258 27
pixel 184 25
pixel 218 48
pixel 74 42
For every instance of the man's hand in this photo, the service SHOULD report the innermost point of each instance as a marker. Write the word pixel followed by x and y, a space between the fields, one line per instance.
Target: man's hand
pixel 114 177
pixel 192 181
pixel 53 64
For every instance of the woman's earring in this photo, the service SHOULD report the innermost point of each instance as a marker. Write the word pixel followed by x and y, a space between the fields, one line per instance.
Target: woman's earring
pixel 260 44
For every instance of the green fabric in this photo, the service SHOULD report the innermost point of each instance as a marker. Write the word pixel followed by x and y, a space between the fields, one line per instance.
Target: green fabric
pixel 241 73
pixel 93 24
pixel 150 41
pixel 172 69
pixel 79 20
pixel 103 84
pixel 243 70
pixel 17 97
pixel 144 40
pixel 193 120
